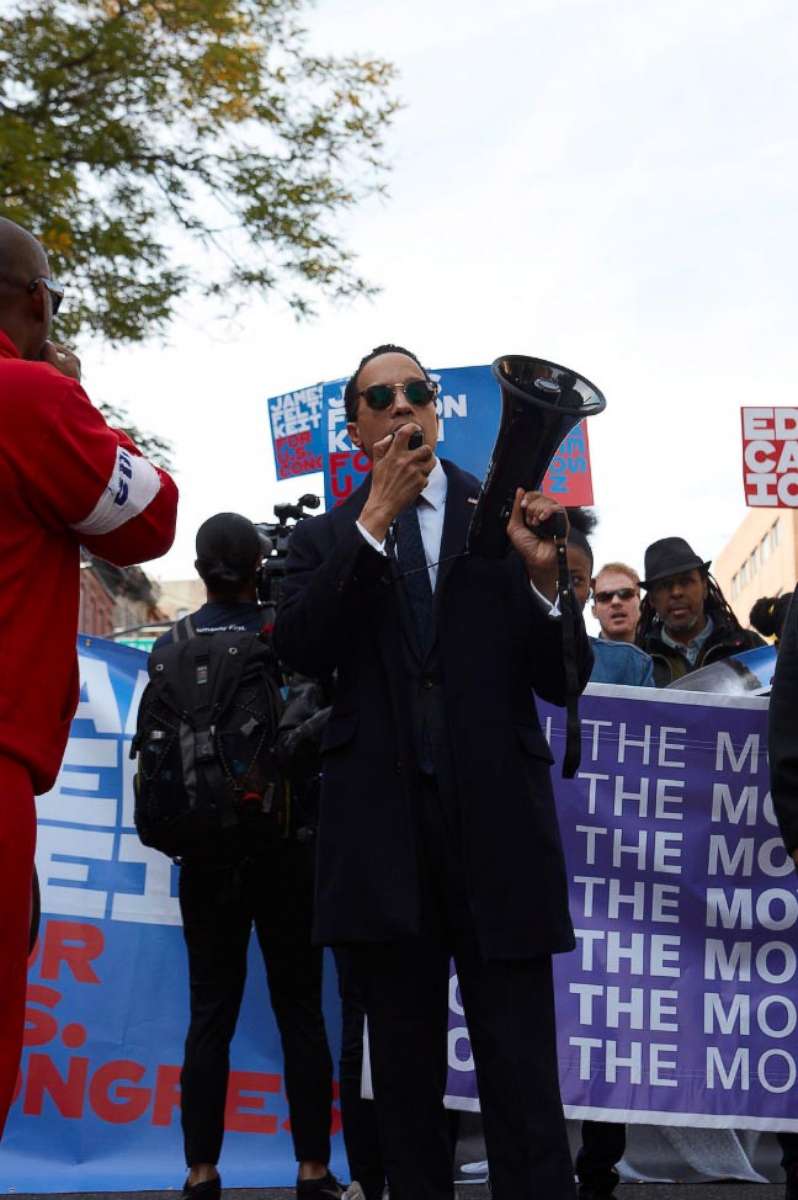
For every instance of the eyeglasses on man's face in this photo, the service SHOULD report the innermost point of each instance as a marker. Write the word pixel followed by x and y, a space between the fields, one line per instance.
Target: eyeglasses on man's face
pixel 418 392
pixel 625 593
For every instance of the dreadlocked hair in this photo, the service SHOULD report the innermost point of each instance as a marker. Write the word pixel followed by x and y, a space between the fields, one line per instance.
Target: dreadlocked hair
pixel 716 606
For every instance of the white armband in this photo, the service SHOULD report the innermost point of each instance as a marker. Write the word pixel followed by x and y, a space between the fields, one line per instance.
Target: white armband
pixel 133 485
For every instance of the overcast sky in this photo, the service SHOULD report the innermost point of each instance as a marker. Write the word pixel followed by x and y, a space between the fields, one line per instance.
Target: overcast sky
pixel 609 184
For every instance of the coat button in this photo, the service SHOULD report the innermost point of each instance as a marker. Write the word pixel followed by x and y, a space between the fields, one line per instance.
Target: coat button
pixel 427 683
pixel 398 765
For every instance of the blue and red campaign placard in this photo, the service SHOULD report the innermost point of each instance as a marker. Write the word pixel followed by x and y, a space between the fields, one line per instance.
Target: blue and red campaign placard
pixel 309 434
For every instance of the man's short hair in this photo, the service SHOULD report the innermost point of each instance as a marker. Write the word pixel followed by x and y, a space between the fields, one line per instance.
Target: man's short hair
pixel 350 391
pixel 620 569
pixel 228 551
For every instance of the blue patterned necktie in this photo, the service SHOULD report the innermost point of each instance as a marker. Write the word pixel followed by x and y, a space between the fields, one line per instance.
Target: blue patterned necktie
pixel 413 570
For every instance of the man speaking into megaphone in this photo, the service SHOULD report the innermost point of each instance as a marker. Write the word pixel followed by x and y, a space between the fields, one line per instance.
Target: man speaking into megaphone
pixel 438 834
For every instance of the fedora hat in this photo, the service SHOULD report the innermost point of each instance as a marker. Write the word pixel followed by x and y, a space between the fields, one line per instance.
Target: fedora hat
pixel 670 556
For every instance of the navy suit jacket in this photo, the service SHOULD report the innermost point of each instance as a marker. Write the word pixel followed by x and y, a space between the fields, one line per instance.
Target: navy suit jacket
pixel 341 612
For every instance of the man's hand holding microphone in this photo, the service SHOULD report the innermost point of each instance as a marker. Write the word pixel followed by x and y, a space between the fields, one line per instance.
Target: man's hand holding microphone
pixel 398 477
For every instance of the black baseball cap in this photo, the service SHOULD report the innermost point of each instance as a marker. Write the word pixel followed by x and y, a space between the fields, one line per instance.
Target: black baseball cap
pixel 228 547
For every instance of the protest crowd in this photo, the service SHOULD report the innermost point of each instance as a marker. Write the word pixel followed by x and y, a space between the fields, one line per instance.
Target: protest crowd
pixel 318 757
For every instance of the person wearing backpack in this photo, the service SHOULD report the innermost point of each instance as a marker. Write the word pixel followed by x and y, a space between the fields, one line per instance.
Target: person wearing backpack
pixel 248 871
pixel 66 479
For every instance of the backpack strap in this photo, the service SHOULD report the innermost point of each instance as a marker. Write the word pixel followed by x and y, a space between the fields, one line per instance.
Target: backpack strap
pixel 183 629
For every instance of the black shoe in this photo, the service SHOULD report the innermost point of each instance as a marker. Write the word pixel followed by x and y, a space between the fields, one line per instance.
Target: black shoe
pixel 210 1189
pixel 586 1191
pixel 326 1188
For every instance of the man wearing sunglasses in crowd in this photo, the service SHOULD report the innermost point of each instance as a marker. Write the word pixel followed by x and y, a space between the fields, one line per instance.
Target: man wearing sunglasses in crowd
pixel 66 479
pixel 438 835
pixel 614 660
pixel 616 602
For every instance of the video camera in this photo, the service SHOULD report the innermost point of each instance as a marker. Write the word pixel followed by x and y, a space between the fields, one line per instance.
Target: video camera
pixel 274 537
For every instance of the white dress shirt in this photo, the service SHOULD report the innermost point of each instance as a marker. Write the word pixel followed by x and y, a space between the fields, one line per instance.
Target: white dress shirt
pixel 431 510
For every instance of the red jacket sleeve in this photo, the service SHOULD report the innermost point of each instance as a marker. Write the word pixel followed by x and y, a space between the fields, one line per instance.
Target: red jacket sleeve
pixel 77 472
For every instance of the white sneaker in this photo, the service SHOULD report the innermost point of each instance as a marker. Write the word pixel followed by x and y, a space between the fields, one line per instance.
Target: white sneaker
pixel 354 1192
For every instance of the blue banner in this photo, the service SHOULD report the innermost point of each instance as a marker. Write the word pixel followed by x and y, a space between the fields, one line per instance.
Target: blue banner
pixel 679 1005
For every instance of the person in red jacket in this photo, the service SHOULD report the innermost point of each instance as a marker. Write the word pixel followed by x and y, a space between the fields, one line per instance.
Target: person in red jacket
pixel 66 479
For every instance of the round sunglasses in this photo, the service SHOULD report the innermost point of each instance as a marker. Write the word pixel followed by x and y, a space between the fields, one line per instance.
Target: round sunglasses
pixel 418 391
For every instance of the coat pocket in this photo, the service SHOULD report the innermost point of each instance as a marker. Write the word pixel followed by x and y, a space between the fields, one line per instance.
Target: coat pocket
pixel 339 730
pixel 534 743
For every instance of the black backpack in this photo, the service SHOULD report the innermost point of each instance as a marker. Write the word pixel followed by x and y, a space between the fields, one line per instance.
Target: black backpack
pixel 206 786
pixel 298 749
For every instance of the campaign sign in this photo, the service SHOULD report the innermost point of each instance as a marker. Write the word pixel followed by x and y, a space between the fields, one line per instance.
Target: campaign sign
pixel 297 431
pixel 770 457
pixel 568 479
pixel 97 1103
pixel 680 1004
pixel 469 411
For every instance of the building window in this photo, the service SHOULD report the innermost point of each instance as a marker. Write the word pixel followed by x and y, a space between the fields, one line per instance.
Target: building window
pixel 775 533
pixel 754 560
pixel 764 549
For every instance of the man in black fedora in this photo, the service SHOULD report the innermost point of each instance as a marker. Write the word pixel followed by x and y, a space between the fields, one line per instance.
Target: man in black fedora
pixel 685 621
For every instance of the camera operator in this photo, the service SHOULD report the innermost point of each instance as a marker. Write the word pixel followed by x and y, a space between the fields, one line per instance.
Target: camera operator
pixel 438 833
pixel 66 479
pixel 271 888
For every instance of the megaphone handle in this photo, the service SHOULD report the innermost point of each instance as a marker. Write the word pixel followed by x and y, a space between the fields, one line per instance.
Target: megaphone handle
pixel 573 730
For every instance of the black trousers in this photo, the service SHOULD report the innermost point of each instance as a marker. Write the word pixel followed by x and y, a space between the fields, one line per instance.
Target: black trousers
pixel 603 1145
pixel 219 907
pixel 789 1151
pixel 509 1008
pixel 359 1117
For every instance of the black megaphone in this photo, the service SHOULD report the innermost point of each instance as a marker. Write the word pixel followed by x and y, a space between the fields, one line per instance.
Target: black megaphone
pixel 541 404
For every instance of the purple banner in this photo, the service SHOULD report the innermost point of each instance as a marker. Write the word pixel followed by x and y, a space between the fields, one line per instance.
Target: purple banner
pixel 679 1005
